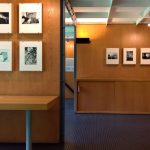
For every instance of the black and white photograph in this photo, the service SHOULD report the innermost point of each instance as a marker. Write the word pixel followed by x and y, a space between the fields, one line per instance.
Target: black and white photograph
pixel 112 56
pixel 6 56
pixel 129 56
pixel 4 17
pixel 145 56
pixel 30 18
pixel 30 56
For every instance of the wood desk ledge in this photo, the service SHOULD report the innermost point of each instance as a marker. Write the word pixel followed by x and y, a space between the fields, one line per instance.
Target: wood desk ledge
pixel 27 102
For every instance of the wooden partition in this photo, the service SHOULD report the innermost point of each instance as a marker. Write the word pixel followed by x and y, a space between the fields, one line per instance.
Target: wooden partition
pixel 116 88
pixel 47 82
pixel 113 96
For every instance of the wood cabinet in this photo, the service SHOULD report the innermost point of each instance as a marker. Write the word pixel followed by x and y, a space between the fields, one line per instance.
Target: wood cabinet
pixel 113 96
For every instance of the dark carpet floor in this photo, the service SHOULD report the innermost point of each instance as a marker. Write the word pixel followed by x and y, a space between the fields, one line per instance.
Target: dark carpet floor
pixel 98 132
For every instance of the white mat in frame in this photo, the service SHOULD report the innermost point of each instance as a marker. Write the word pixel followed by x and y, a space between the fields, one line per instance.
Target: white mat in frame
pixel 5 18
pixel 145 56
pixel 30 56
pixel 5 56
pixel 112 56
pixel 30 18
pixel 129 56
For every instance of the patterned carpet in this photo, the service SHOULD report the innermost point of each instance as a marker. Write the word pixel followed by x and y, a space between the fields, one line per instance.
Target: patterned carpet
pixel 98 132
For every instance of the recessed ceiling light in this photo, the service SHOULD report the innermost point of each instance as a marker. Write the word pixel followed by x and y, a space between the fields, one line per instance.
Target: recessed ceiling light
pixel 92 20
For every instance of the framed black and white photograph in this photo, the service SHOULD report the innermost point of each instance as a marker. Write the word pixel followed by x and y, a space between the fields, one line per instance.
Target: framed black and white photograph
pixel 129 56
pixel 5 56
pixel 30 56
pixel 5 18
pixel 145 56
pixel 112 56
pixel 30 18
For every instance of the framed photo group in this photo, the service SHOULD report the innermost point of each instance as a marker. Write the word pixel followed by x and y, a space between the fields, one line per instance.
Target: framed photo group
pixel 129 56
pixel 30 18
pixel 30 56
pixel 30 52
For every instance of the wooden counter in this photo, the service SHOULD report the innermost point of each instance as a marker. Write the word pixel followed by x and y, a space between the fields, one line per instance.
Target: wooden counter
pixel 27 102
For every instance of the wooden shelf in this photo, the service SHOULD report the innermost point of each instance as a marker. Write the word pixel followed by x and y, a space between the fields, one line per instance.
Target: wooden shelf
pixel 27 102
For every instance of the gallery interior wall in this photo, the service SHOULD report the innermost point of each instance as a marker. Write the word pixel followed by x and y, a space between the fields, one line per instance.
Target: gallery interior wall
pixel 91 57
pixel 47 82
pixel 69 76
pixel 119 81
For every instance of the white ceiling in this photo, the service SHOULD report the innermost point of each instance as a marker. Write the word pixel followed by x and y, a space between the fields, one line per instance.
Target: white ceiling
pixel 112 11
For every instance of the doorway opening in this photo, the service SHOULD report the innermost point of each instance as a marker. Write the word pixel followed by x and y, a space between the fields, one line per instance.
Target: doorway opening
pixel 70 57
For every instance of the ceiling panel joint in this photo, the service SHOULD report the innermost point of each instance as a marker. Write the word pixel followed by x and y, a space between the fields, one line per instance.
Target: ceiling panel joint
pixel 145 13
pixel 110 10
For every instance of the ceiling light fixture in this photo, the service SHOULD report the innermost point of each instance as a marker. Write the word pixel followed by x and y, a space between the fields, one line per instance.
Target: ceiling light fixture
pixel 83 40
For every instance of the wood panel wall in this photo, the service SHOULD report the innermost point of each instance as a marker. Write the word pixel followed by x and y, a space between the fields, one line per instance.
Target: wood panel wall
pixel 112 88
pixel 91 57
pixel 45 123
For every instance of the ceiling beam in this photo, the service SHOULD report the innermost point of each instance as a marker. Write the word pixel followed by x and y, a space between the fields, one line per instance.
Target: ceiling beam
pixel 132 3
pixel 130 14
pixel 110 10
pixel 146 11
pixel 91 14
pixel 91 9
pixel 90 3
pixel 70 10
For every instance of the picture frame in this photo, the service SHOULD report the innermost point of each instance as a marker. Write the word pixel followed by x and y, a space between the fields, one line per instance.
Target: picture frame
pixel 5 56
pixel 5 18
pixel 112 56
pixel 145 56
pixel 30 56
pixel 69 65
pixel 30 18
pixel 129 56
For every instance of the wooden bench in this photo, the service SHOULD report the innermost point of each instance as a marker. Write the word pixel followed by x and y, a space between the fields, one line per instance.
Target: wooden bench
pixel 27 103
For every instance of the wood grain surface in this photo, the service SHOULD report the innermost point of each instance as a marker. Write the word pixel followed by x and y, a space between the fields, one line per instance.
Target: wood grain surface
pixel 112 88
pixel 91 58
pixel 46 123
pixel 27 102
